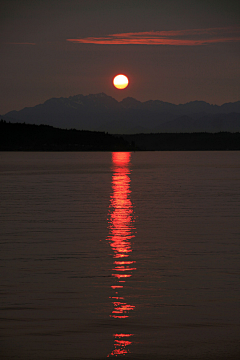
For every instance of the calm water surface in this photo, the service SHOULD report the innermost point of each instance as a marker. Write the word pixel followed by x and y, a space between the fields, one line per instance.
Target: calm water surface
pixel 119 255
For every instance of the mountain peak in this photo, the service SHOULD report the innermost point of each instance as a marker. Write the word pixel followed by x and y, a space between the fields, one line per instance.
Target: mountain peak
pixel 130 102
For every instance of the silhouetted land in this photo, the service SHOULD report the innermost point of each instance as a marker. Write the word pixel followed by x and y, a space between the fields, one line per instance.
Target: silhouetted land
pixel 27 137
pixel 100 112
pixel 185 141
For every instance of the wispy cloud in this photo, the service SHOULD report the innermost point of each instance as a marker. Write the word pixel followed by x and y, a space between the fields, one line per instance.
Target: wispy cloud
pixel 190 37
pixel 20 43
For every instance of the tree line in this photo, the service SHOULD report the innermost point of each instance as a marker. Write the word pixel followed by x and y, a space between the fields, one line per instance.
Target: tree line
pixel 28 137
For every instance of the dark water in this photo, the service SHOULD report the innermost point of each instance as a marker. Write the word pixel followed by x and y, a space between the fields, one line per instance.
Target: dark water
pixel 125 255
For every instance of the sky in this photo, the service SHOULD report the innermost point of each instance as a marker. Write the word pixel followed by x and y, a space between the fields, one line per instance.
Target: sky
pixel 174 51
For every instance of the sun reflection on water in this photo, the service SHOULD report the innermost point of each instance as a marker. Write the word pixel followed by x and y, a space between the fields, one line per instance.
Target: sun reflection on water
pixel 121 232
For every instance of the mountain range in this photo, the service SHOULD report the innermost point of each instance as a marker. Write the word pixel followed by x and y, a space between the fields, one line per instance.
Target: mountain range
pixel 100 112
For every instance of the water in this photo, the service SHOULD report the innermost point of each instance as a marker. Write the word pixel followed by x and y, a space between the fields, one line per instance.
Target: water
pixel 123 255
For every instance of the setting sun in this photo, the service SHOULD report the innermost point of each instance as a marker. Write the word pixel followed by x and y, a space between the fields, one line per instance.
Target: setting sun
pixel 120 81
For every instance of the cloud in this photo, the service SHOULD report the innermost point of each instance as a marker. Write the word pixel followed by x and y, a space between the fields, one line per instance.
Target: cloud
pixel 190 37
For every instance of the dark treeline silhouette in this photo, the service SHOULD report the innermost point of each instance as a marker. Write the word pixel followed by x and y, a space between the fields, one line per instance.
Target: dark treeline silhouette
pixel 185 141
pixel 27 137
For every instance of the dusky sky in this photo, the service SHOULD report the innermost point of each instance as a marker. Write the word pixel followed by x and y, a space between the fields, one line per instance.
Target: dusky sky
pixel 171 50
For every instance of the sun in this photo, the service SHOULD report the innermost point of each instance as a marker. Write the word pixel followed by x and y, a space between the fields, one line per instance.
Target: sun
pixel 120 81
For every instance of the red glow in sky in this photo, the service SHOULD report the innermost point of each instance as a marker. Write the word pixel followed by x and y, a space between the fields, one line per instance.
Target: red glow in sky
pixel 173 52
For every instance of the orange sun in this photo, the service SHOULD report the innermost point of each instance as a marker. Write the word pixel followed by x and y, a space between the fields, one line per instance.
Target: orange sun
pixel 120 81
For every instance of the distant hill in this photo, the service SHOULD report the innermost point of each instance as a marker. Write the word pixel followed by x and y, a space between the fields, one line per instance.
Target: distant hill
pixel 100 112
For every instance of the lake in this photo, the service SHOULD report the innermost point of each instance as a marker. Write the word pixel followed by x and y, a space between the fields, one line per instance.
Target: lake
pixel 119 255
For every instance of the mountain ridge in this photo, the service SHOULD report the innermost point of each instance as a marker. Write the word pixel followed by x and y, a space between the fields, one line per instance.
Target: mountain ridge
pixel 101 112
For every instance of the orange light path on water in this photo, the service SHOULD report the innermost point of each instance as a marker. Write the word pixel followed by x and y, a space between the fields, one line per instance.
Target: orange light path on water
pixel 120 345
pixel 121 232
pixel 121 350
